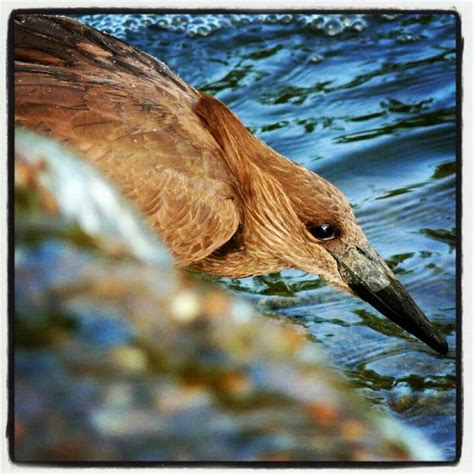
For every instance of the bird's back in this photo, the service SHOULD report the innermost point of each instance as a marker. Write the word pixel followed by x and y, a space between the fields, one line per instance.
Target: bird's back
pixel 134 119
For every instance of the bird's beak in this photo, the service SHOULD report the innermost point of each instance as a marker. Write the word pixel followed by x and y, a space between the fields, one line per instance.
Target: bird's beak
pixel 371 279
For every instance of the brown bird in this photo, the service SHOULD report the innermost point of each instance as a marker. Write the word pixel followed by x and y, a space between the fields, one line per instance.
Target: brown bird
pixel 222 201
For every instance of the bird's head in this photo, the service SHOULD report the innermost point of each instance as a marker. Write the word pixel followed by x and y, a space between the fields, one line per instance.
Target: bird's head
pixel 295 218
pixel 336 248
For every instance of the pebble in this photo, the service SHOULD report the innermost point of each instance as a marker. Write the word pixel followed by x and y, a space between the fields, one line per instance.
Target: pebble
pixel 185 306
pixel 129 358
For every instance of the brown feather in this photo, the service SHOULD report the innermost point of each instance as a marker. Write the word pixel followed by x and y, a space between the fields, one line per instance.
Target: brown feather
pixel 137 136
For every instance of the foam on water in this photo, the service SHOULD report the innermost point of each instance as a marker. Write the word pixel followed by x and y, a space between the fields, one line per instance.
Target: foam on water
pixel 206 24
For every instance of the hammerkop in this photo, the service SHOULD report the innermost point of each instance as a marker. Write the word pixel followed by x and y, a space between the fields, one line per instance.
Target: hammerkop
pixel 222 201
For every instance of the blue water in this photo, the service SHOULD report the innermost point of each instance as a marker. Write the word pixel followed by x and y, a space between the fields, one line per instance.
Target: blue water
pixel 368 102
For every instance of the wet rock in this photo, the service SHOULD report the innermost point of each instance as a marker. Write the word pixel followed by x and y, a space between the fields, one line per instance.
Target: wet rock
pixel 119 356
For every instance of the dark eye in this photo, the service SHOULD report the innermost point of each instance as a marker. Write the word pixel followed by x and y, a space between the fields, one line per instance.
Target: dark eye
pixel 322 231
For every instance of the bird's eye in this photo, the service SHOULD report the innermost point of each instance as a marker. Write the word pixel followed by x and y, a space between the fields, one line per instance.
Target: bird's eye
pixel 322 231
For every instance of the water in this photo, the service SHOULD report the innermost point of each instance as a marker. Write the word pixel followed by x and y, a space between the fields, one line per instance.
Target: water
pixel 368 102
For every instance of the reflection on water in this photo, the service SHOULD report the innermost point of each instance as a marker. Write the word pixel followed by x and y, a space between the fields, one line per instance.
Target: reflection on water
pixel 368 102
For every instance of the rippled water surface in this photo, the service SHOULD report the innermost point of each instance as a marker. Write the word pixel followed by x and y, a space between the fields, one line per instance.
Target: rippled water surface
pixel 368 102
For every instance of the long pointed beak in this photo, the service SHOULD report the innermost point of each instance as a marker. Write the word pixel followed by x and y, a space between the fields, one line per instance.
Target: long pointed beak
pixel 372 280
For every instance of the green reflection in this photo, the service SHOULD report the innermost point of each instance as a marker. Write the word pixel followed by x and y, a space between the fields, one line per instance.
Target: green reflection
pixel 421 120
pixel 442 235
pixel 444 170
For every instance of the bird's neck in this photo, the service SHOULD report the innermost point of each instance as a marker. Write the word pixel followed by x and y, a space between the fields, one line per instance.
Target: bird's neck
pixel 269 219
pixel 250 160
pixel 241 150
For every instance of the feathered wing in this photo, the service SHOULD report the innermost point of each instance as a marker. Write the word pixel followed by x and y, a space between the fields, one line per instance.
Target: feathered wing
pixel 130 116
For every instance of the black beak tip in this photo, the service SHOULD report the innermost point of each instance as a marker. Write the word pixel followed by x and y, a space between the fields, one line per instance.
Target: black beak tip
pixel 440 345
pixel 369 278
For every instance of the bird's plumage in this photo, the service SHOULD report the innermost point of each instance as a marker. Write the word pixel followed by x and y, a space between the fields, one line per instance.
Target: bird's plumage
pixel 130 116
pixel 223 201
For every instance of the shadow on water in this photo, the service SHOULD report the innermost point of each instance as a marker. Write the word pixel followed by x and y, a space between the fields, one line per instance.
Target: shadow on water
pixel 368 101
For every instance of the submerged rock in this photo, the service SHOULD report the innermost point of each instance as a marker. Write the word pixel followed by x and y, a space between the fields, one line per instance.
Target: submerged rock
pixel 119 356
